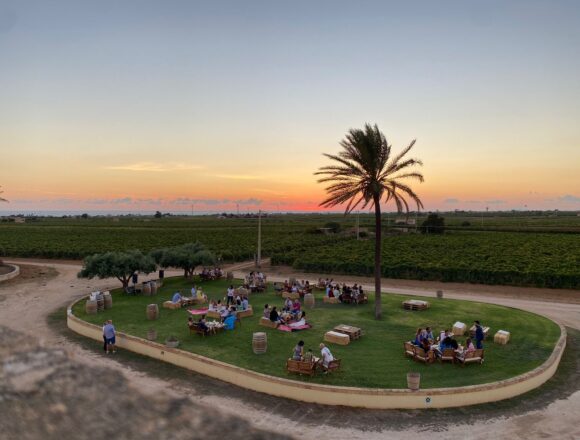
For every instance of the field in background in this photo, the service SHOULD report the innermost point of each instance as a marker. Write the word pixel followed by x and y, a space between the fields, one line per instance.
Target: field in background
pixel 519 249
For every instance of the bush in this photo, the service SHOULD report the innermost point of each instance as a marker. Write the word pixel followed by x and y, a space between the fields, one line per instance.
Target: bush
pixel 434 224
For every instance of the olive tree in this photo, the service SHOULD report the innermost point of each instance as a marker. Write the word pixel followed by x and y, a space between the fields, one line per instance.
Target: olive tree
pixel 120 265
pixel 187 257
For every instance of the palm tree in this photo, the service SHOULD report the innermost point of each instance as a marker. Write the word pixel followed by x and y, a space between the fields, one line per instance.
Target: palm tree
pixel 365 172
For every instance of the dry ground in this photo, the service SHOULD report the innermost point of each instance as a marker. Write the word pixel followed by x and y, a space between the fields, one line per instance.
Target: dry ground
pixel 28 305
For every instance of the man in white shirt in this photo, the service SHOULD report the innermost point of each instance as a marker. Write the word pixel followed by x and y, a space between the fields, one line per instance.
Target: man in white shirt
pixel 193 292
pixel 231 291
pixel 326 355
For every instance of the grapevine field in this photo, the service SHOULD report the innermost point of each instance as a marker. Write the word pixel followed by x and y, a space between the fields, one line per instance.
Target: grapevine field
pixel 488 250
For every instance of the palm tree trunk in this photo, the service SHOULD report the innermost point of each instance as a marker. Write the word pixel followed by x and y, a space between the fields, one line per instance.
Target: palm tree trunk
pixel 378 242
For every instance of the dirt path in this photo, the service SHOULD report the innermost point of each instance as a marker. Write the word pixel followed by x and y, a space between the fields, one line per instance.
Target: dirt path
pixel 25 306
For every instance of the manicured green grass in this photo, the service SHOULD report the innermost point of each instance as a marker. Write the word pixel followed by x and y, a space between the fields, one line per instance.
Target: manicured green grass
pixel 376 360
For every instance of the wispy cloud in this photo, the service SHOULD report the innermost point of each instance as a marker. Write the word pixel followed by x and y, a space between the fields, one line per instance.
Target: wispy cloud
pixel 569 198
pixel 154 167
pixel 451 200
pixel 495 202
pixel 268 191
pixel 239 176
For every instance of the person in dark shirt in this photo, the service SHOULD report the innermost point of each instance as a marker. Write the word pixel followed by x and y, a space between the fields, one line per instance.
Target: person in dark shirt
pixel 479 335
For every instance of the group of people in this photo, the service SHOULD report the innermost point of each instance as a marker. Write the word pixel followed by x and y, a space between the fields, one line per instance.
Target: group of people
pixel 291 314
pixel 325 355
pixel 300 287
pixel 203 325
pixel 196 294
pixel 425 339
pixel 211 274
pixel 344 293
pixel 255 282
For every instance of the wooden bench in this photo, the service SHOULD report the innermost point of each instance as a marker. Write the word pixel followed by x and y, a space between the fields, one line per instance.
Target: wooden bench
pixel 332 366
pixel 213 314
pixel 472 357
pixel 352 332
pixel 300 367
pixel 409 349
pixel 194 328
pixel 267 323
pixel 330 299
pixel 447 355
pixel 421 356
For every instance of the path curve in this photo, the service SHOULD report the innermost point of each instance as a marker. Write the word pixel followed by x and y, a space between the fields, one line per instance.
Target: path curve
pixel 26 306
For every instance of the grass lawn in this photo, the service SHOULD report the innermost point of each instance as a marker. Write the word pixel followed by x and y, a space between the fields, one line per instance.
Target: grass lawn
pixel 375 360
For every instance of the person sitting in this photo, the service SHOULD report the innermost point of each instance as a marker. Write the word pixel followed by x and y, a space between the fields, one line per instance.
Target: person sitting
pixel 229 322
pixel 418 339
pixel 296 307
pixel 462 351
pixel 176 298
pixel 426 345
pixel 203 325
pixel 287 305
pixel 298 351
pixel 224 312
pixel 300 321
pixel 294 288
pixel 194 292
pixel 325 356
pixel 245 303
pixel 212 305
pixel 329 291
pixel 336 292
pixel 190 323
pixel 274 317
pixel 442 336
pixel 266 313
pixel 429 334
pixel 308 356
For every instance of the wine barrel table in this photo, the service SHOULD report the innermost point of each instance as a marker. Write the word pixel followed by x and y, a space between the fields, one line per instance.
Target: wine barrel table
pixel 413 381
pixel 153 287
pixel 152 312
pixel 108 300
pixel 91 307
pixel 260 342
pixel 146 289
pixel 151 334
pixel 309 300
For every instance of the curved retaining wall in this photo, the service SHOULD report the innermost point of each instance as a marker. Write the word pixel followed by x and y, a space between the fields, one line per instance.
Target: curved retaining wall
pixel 377 398
pixel 10 275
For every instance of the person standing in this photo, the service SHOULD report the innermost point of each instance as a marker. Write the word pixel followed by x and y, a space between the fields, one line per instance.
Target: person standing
pixel 109 332
pixel 104 338
pixel 479 335
pixel 230 299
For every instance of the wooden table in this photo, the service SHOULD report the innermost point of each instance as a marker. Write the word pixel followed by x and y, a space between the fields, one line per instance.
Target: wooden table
pixel 415 304
pixel 352 332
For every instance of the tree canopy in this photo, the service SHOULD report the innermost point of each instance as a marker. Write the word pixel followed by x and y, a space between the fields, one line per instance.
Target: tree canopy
pixel 433 224
pixel 187 257
pixel 365 172
pixel 120 265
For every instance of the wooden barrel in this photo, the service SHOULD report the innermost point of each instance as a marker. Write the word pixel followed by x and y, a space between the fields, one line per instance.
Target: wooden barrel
pixel 260 342
pixel 146 289
pixel 413 381
pixel 309 300
pixel 108 300
pixel 153 285
pixel 91 307
pixel 151 334
pixel 100 302
pixel 440 294
pixel 152 312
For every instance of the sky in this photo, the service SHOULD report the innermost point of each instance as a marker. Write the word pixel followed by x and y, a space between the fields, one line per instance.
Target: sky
pixel 181 105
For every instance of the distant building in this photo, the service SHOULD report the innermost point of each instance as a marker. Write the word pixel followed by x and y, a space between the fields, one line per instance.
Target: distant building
pixel 405 221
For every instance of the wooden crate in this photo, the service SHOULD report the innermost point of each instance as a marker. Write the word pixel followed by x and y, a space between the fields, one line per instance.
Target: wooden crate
pixel 337 338
pixel 330 300
pixel 459 329
pixel 244 313
pixel 290 295
pixel 502 337
pixel 415 304
pixel 171 305
pixel 267 323
pixel 213 314
pixel 352 332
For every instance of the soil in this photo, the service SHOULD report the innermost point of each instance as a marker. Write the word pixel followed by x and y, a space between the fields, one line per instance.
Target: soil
pixel 549 412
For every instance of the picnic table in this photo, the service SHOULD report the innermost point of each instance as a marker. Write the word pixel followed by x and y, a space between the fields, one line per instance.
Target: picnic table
pixel 352 332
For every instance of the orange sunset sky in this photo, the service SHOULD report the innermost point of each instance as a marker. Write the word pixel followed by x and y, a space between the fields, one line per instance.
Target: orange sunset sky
pixel 138 106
